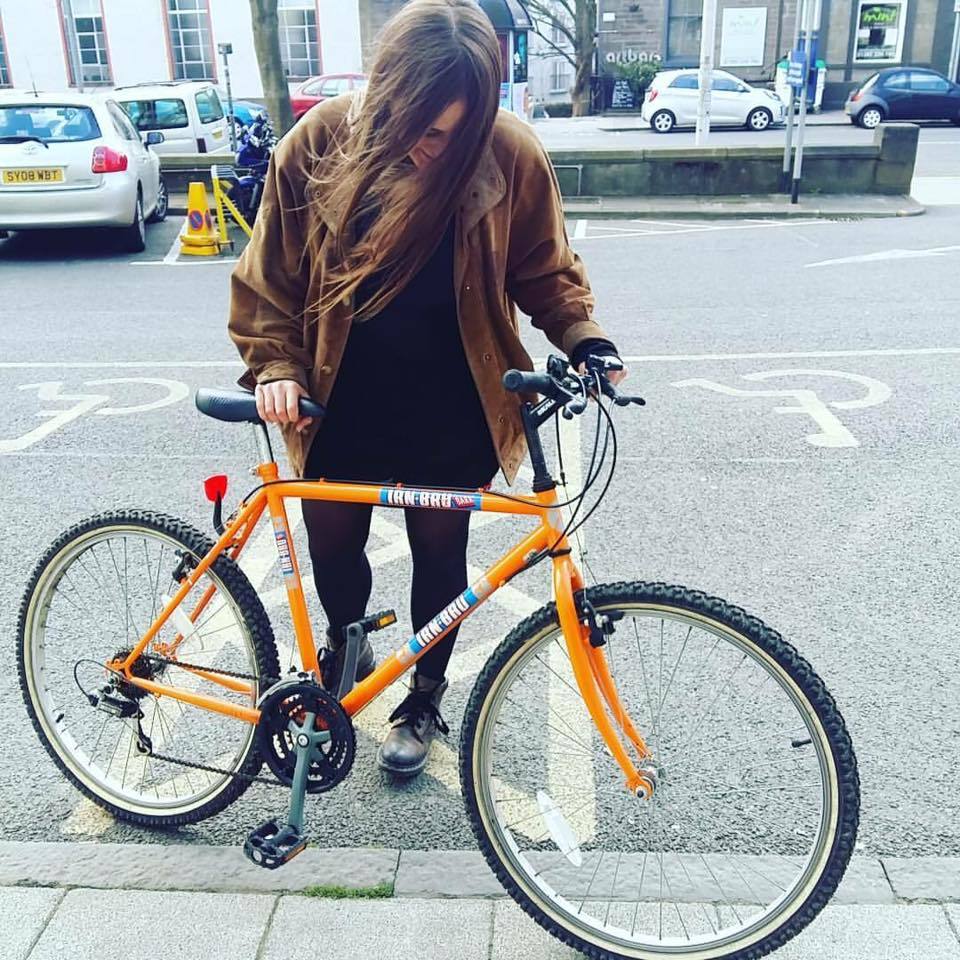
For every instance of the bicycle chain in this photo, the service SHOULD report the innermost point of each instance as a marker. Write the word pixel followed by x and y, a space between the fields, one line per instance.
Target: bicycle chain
pixel 252 778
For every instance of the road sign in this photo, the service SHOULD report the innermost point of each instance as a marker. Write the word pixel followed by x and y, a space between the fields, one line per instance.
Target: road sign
pixel 797 69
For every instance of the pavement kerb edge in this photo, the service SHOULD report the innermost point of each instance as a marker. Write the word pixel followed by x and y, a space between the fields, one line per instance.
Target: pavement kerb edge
pixel 415 874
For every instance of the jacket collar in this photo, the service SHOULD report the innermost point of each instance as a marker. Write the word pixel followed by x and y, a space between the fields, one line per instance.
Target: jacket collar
pixel 485 189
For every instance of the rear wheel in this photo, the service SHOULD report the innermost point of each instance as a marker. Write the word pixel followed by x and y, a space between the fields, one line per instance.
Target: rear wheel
pixel 663 121
pixel 134 238
pixel 870 117
pixel 90 598
pixel 755 814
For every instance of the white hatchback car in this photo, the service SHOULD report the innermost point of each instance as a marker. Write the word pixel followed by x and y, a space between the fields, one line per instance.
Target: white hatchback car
pixel 75 160
pixel 673 95
pixel 189 114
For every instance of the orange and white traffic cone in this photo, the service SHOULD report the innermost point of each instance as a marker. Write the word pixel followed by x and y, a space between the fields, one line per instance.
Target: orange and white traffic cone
pixel 198 238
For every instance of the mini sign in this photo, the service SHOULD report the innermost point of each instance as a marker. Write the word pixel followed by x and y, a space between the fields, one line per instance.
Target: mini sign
pixel 797 69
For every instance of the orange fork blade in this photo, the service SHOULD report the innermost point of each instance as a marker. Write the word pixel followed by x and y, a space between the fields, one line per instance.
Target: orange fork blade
pixel 601 673
pixel 586 679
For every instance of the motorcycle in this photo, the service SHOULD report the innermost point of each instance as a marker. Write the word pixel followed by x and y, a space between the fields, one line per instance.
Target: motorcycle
pixel 255 144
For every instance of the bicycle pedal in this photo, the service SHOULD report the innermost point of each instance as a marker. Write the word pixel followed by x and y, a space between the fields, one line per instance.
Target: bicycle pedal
pixel 271 845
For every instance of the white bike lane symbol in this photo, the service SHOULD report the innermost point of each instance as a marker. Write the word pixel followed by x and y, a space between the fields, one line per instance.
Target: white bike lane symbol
pixel 84 403
pixel 832 432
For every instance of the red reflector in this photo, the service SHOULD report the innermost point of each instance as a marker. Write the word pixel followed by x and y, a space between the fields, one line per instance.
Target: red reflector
pixel 856 96
pixel 108 160
pixel 215 486
pixel 652 95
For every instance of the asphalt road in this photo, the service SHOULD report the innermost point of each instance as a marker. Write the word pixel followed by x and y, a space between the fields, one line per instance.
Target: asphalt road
pixel 837 524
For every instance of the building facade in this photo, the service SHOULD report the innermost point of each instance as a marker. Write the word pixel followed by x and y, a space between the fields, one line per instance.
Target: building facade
pixel 551 72
pixel 56 44
pixel 856 37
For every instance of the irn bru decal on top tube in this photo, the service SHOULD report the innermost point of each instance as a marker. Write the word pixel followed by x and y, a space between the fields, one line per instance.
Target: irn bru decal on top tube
pixel 454 611
pixel 431 499
pixel 283 548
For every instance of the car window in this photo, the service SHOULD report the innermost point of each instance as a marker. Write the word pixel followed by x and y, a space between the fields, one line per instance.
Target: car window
pixel 54 123
pixel 166 114
pixel 928 83
pixel 334 86
pixel 121 122
pixel 686 81
pixel 208 106
pixel 896 81
pixel 726 84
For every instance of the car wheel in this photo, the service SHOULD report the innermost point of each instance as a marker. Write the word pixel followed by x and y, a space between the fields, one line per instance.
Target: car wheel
pixel 870 117
pixel 163 202
pixel 663 121
pixel 134 237
pixel 759 119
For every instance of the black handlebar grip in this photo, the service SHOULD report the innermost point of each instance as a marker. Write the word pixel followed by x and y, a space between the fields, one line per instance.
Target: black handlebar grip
pixel 522 381
pixel 310 409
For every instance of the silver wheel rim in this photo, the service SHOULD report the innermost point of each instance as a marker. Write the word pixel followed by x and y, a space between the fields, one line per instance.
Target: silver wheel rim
pixel 139 215
pixel 162 200
pixel 662 122
pixel 871 118
pixel 101 750
pixel 760 120
pixel 651 925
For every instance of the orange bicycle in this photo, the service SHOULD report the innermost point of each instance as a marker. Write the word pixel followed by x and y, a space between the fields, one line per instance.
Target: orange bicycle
pixel 648 770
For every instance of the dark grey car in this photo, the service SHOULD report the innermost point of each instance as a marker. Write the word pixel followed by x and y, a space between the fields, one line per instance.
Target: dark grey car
pixel 904 93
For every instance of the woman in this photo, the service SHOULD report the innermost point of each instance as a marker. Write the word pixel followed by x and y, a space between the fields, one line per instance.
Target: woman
pixel 396 233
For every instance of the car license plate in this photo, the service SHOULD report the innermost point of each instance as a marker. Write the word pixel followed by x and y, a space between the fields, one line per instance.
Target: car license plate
pixel 36 175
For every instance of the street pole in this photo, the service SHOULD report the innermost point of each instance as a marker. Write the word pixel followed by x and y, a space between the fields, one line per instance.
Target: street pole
pixel 708 29
pixel 788 148
pixel 954 68
pixel 808 28
pixel 226 49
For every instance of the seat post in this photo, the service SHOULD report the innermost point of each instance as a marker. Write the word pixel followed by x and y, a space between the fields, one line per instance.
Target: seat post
pixel 264 450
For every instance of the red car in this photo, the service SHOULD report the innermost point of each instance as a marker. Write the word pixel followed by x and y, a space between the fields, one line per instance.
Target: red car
pixel 322 88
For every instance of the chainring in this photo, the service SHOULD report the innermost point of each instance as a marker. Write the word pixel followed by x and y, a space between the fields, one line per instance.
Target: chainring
pixel 290 700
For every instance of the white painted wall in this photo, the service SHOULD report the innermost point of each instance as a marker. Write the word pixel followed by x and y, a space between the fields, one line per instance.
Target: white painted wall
pixel 136 39
pixel 34 48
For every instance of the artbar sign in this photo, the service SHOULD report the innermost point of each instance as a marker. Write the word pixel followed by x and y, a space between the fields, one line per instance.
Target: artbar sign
pixel 880 29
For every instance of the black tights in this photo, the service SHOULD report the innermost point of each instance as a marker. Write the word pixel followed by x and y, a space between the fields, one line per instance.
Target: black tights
pixel 337 535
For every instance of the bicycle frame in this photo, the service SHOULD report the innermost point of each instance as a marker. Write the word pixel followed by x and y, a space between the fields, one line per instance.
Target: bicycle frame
pixel 589 663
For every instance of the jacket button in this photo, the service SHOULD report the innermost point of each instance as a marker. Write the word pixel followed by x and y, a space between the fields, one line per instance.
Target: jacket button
pixel 487 358
pixel 500 419
pixel 326 369
pixel 467 288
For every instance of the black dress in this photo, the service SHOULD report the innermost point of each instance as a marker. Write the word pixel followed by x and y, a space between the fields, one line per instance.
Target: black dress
pixel 404 407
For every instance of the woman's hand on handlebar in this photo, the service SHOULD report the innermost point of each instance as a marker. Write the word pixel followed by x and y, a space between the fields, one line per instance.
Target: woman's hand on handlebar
pixel 279 402
pixel 614 376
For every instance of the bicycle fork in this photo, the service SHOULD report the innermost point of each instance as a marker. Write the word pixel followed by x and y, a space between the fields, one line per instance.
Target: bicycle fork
pixel 597 686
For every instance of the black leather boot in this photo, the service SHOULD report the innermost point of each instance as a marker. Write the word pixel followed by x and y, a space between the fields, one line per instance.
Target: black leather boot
pixel 404 750
pixel 366 661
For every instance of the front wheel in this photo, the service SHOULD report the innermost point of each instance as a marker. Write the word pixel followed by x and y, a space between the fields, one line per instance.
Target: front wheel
pixel 755 814
pixel 759 119
pixel 94 593
pixel 133 238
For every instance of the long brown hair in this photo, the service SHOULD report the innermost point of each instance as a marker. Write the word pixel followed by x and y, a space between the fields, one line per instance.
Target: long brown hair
pixel 430 55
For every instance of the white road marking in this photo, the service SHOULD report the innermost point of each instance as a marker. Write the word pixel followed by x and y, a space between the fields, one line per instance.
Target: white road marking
pixel 895 254
pixel 537 361
pixel 580 230
pixel 172 253
pixel 708 228
pixel 199 262
pixel 832 431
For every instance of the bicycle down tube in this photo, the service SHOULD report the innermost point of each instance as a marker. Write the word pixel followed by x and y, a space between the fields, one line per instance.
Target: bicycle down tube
pixel 588 662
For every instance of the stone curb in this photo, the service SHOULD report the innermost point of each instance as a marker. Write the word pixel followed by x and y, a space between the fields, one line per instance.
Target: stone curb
pixel 717 208
pixel 421 874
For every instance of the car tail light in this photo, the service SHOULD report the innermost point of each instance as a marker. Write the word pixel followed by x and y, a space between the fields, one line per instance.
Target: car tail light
pixel 108 160
pixel 652 95
pixel 856 96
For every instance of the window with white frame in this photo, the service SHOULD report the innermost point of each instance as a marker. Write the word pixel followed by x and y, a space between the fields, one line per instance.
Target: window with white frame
pixel 299 50
pixel 83 28
pixel 4 69
pixel 683 30
pixel 559 76
pixel 188 27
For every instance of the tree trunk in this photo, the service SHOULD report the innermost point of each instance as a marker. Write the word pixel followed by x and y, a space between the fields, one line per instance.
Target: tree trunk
pixel 266 44
pixel 585 26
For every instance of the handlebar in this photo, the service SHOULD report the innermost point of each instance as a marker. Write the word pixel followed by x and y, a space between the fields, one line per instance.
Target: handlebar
pixel 567 388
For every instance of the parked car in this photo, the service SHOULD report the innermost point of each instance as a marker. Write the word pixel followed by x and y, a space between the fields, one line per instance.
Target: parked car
pixel 76 160
pixel 672 98
pixel 904 93
pixel 317 89
pixel 188 113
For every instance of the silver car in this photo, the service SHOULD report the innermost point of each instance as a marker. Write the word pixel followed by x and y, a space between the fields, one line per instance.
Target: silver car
pixel 76 160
